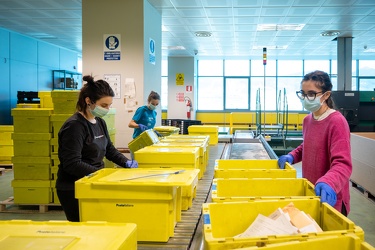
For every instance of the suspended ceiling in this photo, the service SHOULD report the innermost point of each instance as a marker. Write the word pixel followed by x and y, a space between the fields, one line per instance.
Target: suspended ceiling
pixel 233 26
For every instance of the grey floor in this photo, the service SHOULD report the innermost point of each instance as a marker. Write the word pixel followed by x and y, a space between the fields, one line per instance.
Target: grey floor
pixel 362 209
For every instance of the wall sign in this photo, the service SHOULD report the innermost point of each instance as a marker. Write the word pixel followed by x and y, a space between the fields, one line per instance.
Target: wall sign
pixel 111 47
pixel 151 51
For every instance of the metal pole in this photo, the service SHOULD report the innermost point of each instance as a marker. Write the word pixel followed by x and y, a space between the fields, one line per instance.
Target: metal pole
pixel 264 89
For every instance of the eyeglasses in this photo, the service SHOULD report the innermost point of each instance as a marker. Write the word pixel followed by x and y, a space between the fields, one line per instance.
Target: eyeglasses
pixel 311 95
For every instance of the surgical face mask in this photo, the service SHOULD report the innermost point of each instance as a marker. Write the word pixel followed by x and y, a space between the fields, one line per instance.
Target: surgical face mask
pixel 313 105
pixel 152 107
pixel 99 111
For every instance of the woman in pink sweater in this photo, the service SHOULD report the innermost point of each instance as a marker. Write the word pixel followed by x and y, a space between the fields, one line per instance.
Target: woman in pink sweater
pixel 325 151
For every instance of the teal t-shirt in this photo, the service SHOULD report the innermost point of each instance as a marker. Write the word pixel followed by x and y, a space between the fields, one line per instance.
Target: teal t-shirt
pixel 144 116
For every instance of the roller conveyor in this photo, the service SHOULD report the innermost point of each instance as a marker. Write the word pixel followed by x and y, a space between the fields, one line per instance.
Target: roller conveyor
pixel 188 232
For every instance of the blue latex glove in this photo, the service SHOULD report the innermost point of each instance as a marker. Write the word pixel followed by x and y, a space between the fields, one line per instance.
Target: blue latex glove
pixel 326 193
pixel 131 164
pixel 283 159
pixel 142 127
pixel 157 133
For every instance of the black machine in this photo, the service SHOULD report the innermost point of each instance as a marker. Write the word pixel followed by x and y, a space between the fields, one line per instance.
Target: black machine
pixel 358 107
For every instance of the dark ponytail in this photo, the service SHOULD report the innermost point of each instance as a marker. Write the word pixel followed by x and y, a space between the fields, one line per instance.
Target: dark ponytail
pixel 94 90
pixel 153 96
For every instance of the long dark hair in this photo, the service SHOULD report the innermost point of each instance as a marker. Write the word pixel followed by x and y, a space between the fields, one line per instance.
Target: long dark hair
pixel 322 81
pixel 94 90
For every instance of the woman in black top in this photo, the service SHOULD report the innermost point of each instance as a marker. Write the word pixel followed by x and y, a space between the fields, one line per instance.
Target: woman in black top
pixel 83 143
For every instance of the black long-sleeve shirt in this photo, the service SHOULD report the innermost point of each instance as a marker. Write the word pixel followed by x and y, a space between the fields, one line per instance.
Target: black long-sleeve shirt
pixel 82 147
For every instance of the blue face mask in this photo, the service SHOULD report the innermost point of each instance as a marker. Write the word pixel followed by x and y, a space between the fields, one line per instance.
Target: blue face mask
pixel 99 111
pixel 152 107
pixel 313 105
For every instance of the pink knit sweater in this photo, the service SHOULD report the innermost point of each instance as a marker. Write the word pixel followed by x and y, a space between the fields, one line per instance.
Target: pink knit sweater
pixel 325 154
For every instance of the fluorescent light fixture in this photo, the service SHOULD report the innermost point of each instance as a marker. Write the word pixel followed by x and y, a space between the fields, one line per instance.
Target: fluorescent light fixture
pixel 330 33
pixel 163 28
pixel 369 50
pixel 173 48
pixel 277 27
pixel 278 47
pixel 41 35
pixel 203 34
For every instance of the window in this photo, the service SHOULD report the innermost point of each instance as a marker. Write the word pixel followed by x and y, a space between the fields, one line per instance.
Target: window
pixel 258 83
pixel 210 67
pixel 237 93
pixel 366 68
pixel 237 67
pixel 257 68
pixel 289 68
pixel 312 65
pixel 210 93
pixel 291 85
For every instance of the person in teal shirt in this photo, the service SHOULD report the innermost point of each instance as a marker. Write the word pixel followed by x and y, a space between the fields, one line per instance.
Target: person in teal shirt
pixel 145 116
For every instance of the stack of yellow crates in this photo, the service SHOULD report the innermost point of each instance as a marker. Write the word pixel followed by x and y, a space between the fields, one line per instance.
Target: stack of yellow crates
pixel 6 144
pixel 242 190
pixel 31 161
pixel 110 121
pixel 211 130
pixel 64 106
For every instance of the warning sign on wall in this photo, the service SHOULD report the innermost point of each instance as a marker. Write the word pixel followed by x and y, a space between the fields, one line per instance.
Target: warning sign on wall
pixel 180 79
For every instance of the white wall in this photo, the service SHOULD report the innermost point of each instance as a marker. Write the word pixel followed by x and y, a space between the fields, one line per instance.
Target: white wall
pixel 136 22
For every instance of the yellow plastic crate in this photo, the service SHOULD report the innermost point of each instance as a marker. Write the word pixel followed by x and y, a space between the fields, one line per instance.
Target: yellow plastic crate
pixel 57 120
pixel 244 189
pixel 6 160
pixel 339 242
pixel 31 120
pixel 32 191
pixel 53 172
pixel 238 168
pixel 54 143
pixel 55 160
pixel 202 152
pixel 110 118
pixel 28 105
pixel 31 168
pixel 189 139
pixel 167 130
pixel 55 198
pixel 31 144
pixel 151 198
pixel 27 234
pixel 108 163
pixel 45 99
pixel 223 221
pixel 210 130
pixel 64 101
pixel 6 135
pixel 6 150
pixel 160 157
pixel 146 138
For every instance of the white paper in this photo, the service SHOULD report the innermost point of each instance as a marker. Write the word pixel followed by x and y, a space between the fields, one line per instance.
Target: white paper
pixel 129 89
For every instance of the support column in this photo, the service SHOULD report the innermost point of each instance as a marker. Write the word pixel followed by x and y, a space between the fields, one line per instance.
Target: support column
pixel 136 48
pixel 181 87
pixel 344 63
